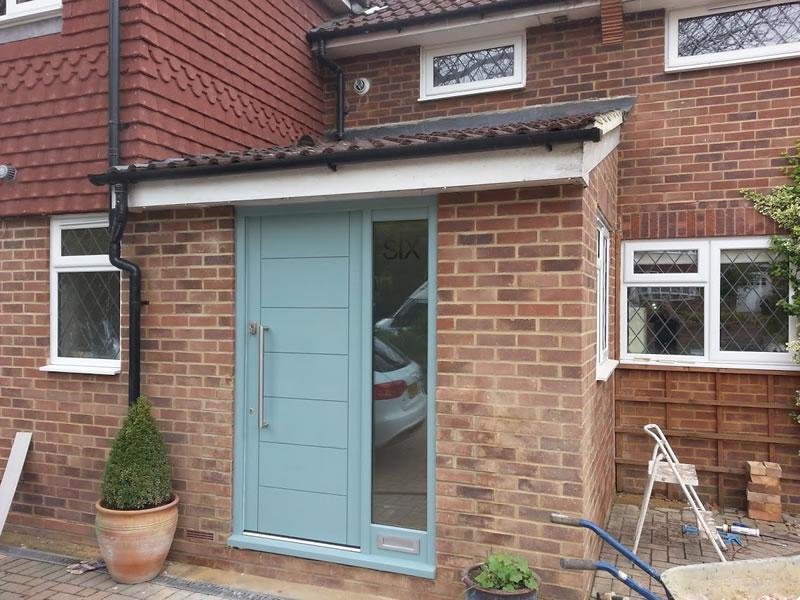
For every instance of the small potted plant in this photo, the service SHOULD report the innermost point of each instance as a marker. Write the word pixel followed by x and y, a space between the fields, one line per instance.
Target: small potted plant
pixel 137 513
pixel 500 576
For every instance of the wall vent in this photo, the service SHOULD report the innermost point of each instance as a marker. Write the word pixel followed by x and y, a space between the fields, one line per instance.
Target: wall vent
pixel 203 536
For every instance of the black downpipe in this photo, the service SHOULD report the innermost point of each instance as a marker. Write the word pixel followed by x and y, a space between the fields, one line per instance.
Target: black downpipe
pixel 118 211
pixel 323 56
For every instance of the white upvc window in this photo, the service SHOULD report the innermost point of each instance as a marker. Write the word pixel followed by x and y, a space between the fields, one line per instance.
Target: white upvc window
pixel 84 297
pixel 706 302
pixel 602 272
pixel 720 35
pixel 472 67
pixel 19 11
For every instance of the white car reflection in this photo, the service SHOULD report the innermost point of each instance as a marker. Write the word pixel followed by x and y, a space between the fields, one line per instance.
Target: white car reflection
pixel 399 398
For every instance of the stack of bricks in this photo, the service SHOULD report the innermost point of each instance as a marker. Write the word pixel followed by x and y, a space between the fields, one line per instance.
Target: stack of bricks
pixel 764 491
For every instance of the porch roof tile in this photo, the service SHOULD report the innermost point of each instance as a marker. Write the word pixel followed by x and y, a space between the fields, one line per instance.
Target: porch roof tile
pixel 309 146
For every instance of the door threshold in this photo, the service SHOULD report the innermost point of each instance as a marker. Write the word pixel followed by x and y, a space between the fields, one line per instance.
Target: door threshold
pixel 280 538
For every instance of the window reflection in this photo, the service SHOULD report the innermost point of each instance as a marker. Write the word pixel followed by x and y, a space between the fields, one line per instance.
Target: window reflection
pixel 400 356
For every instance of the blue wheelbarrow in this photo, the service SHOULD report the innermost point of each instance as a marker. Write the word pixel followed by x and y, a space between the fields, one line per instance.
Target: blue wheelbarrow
pixel 776 578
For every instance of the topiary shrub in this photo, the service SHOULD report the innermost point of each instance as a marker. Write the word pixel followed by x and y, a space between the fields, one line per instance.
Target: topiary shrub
pixel 137 474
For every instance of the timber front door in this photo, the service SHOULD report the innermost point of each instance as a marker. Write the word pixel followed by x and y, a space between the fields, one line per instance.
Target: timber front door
pixel 334 411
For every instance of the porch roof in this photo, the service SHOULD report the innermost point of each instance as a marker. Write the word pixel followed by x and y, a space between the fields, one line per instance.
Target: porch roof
pixel 309 151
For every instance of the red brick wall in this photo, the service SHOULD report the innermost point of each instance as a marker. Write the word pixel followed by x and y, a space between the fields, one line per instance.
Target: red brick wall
pixel 598 412
pixel 221 76
pixel 692 141
pixel 716 420
pixel 227 76
pixel 515 348
pixel 53 118
pixel 187 370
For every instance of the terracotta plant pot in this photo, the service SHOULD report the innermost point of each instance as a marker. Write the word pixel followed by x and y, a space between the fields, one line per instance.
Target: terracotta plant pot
pixel 477 593
pixel 135 543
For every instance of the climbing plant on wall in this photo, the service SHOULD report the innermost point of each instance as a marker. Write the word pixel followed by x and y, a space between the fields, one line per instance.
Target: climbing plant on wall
pixel 782 204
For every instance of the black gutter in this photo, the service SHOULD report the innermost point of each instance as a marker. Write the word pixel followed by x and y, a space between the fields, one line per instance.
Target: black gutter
pixel 326 60
pixel 118 212
pixel 331 160
pixel 399 24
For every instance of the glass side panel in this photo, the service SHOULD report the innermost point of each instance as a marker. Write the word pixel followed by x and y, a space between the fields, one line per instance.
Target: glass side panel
pixel 84 242
pixel 750 320
pixel 475 65
pixel 658 262
pixel 666 320
pixel 88 315
pixel 740 30
pixel 400 358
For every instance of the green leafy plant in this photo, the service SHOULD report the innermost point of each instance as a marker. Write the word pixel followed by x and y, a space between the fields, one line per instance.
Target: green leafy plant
pixel 137 474
pixel 782 204
pixel 507 573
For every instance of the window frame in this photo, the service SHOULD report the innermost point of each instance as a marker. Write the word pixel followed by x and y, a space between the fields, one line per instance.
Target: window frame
pixel 673 62
pixel 602 272
pixel 707 278
pixel 33 10
pixel 427 91
pixel 76 264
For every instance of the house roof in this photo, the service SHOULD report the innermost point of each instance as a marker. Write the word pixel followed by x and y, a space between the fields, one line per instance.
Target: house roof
pixel 395 14
pixel 309 151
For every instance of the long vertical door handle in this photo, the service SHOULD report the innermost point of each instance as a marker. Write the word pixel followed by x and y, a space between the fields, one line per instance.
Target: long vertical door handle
pixel 262 330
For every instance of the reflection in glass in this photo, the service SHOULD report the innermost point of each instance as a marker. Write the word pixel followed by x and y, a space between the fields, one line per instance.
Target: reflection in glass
pixel 84 242
pixel 399 364
pixel 476 65
pixel 750 319
pixel 88 315
pixel 740 29
pixel 666 320
pixel 665 261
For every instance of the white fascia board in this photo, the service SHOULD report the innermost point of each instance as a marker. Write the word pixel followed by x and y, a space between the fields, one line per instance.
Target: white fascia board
pixel 407 177
pixel 634 6
pixel 459 29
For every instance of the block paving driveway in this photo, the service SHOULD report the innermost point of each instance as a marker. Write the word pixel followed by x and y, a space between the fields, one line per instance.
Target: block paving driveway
pixel 664 544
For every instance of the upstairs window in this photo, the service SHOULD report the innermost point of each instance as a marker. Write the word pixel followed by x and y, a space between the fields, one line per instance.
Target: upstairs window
pixel 705 37
pixel 490 64
pixel 704 302
pixel 27 10
pixel 84 297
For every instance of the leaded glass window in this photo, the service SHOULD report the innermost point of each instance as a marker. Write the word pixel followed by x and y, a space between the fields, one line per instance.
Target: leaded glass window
pixel 739 29
pixel 665 261
pixel 85 296
pixel 706 36
pixel 476 65
pixel 750 320
pixel 704 301
pixel 666 320
pixel 471 67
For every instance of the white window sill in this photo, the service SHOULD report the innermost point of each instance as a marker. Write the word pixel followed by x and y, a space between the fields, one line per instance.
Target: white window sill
pixel 482 90
pixel 605 369
pixel 750 366
pixel 30 16
pixel 81 369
